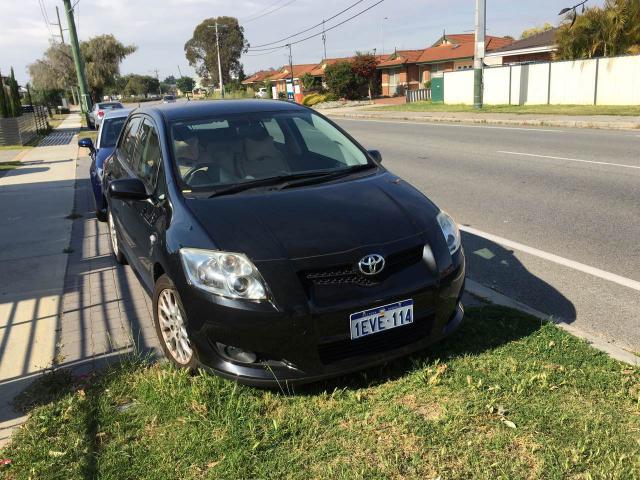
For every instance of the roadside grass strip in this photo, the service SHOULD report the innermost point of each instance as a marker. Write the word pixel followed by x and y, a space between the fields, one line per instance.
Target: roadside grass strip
pixel 625 110
pixel 505 397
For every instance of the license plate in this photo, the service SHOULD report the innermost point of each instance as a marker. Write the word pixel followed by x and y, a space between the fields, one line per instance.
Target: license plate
pixel 380 319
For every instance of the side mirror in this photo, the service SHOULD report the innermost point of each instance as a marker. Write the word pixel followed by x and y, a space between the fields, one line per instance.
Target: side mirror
pixel 128 189
pixel 86 143
pixel 376 155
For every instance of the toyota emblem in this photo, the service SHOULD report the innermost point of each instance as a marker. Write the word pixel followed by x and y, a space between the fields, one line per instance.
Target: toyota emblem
pixel 371 264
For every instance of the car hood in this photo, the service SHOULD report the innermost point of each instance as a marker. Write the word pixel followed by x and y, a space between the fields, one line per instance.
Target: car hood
pixel 315 220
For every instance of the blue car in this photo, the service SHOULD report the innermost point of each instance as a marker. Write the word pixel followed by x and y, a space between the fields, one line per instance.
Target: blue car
pixel 105 144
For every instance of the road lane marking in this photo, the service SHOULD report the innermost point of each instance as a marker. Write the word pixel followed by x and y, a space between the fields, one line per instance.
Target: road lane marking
pixel 442 124
pixel 570 159
pixel 581 267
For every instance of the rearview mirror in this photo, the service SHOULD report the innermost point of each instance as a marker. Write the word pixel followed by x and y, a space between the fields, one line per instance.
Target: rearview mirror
pixel 128 189
pixel 86 143
pixel 376 155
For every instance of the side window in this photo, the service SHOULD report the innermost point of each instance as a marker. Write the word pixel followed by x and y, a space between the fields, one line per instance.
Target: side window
pixel 148 160
pixel 128 144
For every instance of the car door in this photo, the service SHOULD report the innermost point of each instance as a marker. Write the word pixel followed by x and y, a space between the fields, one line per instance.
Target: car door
pixel 122 166
pixel 147 212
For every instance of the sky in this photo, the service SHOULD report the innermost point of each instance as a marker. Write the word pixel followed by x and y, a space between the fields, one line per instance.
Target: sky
pixel 160 28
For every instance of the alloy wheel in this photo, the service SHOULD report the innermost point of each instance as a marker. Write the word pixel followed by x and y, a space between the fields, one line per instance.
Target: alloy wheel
pixel 174 332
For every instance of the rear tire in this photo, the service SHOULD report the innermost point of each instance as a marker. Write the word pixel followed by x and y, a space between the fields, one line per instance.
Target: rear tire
pixel 170 322
pixel 115 240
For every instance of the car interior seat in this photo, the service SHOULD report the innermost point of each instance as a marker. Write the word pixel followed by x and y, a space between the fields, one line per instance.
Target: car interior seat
pixel 261 157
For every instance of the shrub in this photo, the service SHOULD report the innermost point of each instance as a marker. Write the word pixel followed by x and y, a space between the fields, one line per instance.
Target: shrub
pixel 427 84
pixel 330 97
pixel 342 81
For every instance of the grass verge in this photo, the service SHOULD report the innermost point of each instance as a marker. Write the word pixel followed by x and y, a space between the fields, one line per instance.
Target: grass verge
pixel 505 397
pixel 92 134
pixel 518 109
pixel 56 119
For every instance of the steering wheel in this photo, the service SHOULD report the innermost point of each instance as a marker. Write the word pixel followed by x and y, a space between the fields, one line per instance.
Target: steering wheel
pixel 196 168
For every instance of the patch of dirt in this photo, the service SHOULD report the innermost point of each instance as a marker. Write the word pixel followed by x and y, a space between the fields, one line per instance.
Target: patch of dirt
pixel 428 410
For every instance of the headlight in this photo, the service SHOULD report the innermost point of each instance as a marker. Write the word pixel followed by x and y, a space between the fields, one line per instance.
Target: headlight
pixel 450 231
pixel 226 274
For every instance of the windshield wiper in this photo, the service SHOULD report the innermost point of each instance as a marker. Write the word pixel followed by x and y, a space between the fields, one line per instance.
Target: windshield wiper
pixel 327 176
pixel 265 182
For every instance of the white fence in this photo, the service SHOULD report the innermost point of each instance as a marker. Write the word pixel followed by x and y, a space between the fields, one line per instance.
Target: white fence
pixel 601 81
pixel 418 95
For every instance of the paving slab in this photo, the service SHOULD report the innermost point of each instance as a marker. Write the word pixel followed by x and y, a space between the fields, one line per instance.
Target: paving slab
pixel 35 198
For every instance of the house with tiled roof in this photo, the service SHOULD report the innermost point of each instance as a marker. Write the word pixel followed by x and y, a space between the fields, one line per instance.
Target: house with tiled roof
pixel 536 48
pixel 258 78
pixel 409 69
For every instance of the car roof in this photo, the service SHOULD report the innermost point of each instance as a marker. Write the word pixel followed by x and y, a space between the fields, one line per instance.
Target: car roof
pixel 118 112
pixel 208 108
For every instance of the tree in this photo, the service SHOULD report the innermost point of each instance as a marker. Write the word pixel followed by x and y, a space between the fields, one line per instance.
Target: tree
pixel 608 31
pixel 309 82
pixel 4 109
pixel 139 85
pixel 102 57
pixel 201 52
pixel 185 84
pixel 14 96
pixel 364 66
pixel 170 80
pixel 342 81
pixel 535 30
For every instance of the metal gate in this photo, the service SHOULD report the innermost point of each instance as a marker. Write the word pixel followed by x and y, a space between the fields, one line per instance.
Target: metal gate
pixel 437 89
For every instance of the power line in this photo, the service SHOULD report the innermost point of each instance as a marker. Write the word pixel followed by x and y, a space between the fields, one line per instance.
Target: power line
pixel 261 11
pixel 310 28
pixel 265 53
pixel 269 12
pixel 321 33
pixel 43 11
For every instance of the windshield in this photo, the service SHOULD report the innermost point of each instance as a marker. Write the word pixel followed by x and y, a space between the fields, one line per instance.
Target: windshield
pixel 107 106
pixel 110 130
pixel 168 97
pixel 235 149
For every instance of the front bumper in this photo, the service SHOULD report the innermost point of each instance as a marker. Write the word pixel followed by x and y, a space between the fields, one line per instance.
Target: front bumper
pixel 304 344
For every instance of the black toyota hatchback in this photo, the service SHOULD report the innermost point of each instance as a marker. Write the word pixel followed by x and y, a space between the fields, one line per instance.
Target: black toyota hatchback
pixel 277 248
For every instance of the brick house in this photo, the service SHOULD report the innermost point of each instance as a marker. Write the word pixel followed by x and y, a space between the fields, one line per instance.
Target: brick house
pixel 410 69
pixel 536 48
pixel 256 80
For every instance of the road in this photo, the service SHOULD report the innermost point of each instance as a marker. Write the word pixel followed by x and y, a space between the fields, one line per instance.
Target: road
pixel 550 217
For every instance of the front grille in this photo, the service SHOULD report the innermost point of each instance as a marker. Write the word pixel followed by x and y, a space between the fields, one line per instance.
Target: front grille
pixel 375 343
pixel 350 274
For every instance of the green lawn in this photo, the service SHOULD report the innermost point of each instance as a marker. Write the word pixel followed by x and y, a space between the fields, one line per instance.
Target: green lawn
pixel 524 109
pixel 92 134
pixel 57 119
pixel 506 397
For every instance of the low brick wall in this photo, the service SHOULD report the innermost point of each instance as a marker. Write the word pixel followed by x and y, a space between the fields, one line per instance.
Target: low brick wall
pixel 17 131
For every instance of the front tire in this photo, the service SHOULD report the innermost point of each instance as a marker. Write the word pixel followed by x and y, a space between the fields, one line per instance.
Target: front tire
pixel 115 240
pixel 170 321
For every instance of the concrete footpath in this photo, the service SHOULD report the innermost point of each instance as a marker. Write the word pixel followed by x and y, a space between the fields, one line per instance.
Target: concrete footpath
pixel 371 112
pixel 35 198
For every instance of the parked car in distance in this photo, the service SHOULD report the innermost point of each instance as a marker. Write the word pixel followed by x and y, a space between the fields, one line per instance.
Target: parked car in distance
pixel 99 110
pixel 276 248
pixel 168 99
pixel 261 93
pixel 105 143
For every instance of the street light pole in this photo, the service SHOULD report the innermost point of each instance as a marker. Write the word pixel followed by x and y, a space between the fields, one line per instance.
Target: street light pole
pixel 85 98
pixel 478 58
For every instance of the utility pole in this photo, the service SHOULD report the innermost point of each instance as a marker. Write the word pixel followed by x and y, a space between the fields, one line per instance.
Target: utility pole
pixel 59 25
pixel 179 71
pixel 219 64
pixel 293 90
pixel 324 40
pixel 158 78
pixel 85 98
pixel 478 58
